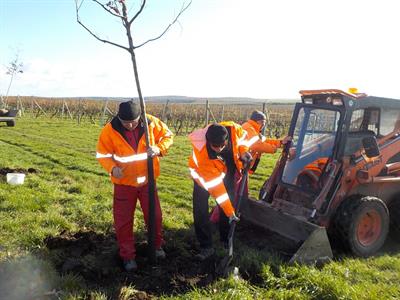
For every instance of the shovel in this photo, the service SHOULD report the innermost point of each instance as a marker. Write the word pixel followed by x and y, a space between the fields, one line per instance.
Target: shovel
pixel 224 269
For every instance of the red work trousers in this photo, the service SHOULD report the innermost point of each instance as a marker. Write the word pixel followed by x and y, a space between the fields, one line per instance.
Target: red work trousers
pixel 125 198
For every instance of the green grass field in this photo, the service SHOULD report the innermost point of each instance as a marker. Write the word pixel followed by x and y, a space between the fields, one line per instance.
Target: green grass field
pixel 57 240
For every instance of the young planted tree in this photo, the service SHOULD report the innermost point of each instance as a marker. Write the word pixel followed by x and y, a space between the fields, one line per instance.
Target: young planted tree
pixel 118 9
pixel 14 67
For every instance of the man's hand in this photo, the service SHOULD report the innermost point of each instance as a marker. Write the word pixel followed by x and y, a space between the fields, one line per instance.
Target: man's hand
pixel 286 139
pixel 233 218
pixel 117 172
pixel 246 157
pixel 153 151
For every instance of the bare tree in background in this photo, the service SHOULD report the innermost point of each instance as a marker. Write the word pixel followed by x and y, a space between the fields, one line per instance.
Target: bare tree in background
pixel 14 67
pixel 119 10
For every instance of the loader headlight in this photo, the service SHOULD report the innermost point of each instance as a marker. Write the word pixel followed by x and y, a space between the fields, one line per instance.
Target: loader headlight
pixel 308 101
pixel 337 101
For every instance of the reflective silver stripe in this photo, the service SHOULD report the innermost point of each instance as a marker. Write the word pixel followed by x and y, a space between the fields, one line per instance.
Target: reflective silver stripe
pixel 141 179
pixel 195 159
pixel 214 182
pixel 242 140
pixel 131 158
pixel 100 155
pixel 168 134
pixel 222 198
pixel 263 139
pixel 209 184
pixel 252 140
pixel 194 175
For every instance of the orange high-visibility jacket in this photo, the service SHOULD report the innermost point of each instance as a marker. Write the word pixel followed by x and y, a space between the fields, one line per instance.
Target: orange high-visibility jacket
pixel 257 143
pixel 315 168
pixel 114 150
pixel 209 173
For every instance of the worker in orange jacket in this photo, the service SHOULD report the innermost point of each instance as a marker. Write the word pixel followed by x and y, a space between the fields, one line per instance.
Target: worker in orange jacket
pixel 256 141
pixel 219 151
pixel 310 176
pixel 122 151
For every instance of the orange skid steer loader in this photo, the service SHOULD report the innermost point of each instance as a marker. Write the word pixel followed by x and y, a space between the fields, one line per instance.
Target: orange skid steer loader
pixel 338 181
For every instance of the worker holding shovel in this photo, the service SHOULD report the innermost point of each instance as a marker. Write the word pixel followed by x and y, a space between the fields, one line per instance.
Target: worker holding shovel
pixel 258 144
pixel 219 151
pixel 121 150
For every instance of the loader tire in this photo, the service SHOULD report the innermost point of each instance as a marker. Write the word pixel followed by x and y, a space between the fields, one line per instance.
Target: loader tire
pixel 10 123
pixel 394 209
pixel 362 224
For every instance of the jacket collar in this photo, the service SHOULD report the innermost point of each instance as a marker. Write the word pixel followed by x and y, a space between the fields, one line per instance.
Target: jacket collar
pixel 117 125
pixel 255 125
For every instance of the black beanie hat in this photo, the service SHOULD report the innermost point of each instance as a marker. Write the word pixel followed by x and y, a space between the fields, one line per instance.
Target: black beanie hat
pixel 257 116
pixel 128 111
pixel 216 134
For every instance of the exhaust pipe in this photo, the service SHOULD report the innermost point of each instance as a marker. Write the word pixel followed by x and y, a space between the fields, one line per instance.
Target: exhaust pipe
pixel 311 240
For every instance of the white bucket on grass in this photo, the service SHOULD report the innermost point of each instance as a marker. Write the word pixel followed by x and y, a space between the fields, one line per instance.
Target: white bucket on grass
pixel 15 178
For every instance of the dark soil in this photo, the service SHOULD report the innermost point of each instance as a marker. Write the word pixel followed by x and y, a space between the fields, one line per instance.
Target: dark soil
pixel 4 171
pixel 95 258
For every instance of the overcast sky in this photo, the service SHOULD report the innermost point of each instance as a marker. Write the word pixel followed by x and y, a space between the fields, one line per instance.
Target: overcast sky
pixel 250 48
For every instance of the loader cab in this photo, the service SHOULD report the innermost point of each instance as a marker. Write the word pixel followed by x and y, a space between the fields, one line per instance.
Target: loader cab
pixel 315 133
pixel 317 130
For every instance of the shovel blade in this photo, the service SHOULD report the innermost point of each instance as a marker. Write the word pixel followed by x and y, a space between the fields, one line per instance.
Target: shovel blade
pixel 224 267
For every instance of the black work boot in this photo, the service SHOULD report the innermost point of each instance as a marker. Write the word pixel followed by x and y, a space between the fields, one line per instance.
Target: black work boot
pixel 130 265
pixel 205 253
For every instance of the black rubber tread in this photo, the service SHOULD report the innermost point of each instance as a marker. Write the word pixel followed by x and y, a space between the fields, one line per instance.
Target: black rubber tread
pixel 394 210
pixel 346 218
pixel 11 123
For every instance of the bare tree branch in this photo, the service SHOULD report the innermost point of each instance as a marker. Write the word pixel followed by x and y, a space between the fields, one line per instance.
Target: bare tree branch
pixel 78 6
pixel 138 12
pixel 113 10
pixel 168 27
pixel 92 33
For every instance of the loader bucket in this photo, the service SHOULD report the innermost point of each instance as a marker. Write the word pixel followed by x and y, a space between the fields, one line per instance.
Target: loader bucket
pixel 310 240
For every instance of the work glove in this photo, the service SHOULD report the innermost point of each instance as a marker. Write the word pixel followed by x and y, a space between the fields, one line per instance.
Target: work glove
pixel 246 158
pixel 233 218
pixel 153 151
pixel 286 139
pixel 117 172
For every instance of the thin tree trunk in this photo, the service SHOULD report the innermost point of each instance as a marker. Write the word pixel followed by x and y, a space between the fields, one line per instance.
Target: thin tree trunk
pixel 150 170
